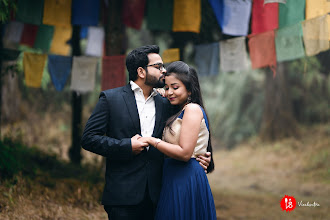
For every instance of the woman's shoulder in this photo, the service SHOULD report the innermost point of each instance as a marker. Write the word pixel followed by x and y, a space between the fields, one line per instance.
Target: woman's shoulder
pixel 193 108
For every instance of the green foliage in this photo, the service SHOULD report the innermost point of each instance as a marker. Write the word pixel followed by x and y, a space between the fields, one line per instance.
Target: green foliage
pixel 6 7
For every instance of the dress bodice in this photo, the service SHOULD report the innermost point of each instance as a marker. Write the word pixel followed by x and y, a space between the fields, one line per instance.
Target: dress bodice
pixel 173 136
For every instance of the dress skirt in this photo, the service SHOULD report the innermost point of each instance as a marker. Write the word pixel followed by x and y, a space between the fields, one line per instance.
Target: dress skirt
pixel 186 193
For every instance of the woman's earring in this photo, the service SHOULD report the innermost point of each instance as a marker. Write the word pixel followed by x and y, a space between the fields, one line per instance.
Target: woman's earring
pixel 189 99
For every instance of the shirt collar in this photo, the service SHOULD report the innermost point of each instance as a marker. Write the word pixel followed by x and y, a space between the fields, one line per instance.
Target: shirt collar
pixel 136 88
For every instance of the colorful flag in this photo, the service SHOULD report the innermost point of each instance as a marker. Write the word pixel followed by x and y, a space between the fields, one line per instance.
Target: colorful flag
pixel 59 68
pixel 85 12
pixel 155 8
pixel 233 55
pixel 262 50
pixel 95 40
pixel 171 55
pixel 60 45
pixel 33 65
pixel 113 72
pixel 44 37
pixel 291 13
pixel 133 13
pixel 187 16
pixel 13 34
pixel 207 58
pixel 264 17
pixel 30 11
pixel 316 35
pixel 289 43
pixel 83 73
pixel 316 8
pixel 57 12
pixel 29 34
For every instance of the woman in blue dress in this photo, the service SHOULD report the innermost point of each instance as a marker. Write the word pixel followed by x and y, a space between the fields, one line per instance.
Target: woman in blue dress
pixel 186 194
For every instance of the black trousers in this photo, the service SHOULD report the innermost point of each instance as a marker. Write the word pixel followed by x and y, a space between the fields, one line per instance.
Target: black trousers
pixel 145 210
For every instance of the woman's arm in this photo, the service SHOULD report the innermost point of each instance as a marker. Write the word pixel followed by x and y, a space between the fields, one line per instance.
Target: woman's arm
pixel 191 122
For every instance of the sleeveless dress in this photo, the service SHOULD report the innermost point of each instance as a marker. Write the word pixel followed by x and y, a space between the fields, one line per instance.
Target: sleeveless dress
pixel 186 193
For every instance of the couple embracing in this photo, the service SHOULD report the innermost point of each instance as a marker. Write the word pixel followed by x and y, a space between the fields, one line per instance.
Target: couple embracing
pixel 156 148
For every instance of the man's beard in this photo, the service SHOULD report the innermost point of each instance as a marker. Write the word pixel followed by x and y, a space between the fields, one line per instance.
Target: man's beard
pixel 154 82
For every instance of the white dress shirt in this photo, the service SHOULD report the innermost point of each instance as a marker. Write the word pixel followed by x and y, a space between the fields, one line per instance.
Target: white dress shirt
pixel 146 109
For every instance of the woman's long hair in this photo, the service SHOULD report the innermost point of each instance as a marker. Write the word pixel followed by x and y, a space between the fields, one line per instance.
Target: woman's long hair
pixel 188 76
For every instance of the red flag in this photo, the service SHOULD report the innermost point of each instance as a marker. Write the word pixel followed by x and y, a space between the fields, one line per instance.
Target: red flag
pixel 113 72
pixel 133 13
pixel 29 34
pixel 264 16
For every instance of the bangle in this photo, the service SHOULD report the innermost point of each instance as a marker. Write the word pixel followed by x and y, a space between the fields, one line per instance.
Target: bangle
pixel 157 142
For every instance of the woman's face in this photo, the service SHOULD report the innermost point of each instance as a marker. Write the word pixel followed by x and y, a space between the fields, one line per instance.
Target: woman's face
pixel 175 91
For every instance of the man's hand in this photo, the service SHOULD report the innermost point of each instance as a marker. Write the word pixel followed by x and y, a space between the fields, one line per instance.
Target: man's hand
pixel 137 145
pixel 204 160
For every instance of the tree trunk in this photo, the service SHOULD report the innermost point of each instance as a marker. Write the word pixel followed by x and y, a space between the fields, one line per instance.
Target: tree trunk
pixel 76 104
pixel 278 121
pixel 1 59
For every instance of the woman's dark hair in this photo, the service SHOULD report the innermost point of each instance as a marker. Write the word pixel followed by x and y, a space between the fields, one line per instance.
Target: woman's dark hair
pixel 139 58
pixel 188 76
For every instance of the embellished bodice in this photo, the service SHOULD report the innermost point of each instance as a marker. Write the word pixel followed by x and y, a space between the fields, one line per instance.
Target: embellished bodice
pixel 173 136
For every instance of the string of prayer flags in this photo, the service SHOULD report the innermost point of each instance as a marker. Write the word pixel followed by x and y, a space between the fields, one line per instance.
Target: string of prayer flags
pixel 316 35
pixel 187 16
pixel 207 58
pixel 13 34
pixel 291 13
pixel 95 40
pixel 83 74
pixel 44 37
pixel 85 12
pixel 316 8
pixel 57 12
pixel 289 43
pixel 171 55
pixel 236 17
pixel 113 72
pixel 30 11
pixel 59 45
pixel 262 49
pixel 274 1
pixel 155 8
pixel 33 65
pixel 233 55
pixel 29 34
pixel 133 13
pixel 264 17
pixel 59 68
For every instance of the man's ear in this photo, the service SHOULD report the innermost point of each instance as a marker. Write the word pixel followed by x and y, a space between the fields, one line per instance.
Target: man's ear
pixel 141 72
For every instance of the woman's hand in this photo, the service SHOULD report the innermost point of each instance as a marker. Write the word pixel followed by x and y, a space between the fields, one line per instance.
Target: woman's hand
pixel 204 160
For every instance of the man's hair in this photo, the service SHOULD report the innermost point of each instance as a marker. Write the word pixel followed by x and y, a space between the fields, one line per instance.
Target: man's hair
pixel 139 58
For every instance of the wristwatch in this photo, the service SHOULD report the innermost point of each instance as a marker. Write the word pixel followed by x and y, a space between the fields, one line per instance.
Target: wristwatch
pixel 157 142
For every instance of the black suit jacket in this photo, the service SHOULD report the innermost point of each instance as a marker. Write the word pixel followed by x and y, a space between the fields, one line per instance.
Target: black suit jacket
pixel 108 132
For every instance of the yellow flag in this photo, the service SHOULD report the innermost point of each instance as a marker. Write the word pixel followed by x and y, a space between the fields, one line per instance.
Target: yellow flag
pixel 316 8
pixel 171 55
pixel 59 43
pixel 57 12
pixel 187 16
pixel 33 65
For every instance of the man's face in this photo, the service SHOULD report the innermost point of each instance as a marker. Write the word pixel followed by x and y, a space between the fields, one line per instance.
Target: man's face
pixel 155 71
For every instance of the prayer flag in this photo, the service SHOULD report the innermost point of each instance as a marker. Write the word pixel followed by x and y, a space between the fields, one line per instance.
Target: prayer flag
pixel 316 8
pixel 316 35
pixel 233 55
pixel 83 73
pixel 133 13
pixel 187 16
pixel 113 72
pixel 29 34
pixel 44 37
pixel 160 15
pixel 171 55
pixel 33 65
pixel 85 12
pixel 57 12
pixel 95 40
pixel 13 34
pixel 291 13
pixel 262 50
pixel 30 11
pixel 207 58
pixel 59 45
pixel 59 68
pixel 264 17
pixel 289 43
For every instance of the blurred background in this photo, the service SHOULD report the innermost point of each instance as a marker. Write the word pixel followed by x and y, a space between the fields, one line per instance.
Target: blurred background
pixel 264 71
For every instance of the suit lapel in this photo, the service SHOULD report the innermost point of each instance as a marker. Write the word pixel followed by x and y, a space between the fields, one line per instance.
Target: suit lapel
pixel 131 107
pixel 159 109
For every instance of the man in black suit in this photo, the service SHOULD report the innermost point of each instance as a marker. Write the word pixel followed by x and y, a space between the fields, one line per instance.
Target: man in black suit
pixel 133 170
